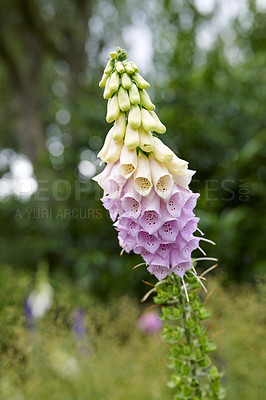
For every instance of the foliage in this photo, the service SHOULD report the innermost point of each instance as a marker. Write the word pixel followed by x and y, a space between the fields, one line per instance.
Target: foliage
pixel 113 360
pixel 194 376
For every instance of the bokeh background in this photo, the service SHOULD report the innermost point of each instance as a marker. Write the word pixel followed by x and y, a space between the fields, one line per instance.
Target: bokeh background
pixel 205 61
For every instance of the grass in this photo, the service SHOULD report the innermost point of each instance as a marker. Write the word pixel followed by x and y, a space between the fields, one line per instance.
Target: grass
pixel 114 361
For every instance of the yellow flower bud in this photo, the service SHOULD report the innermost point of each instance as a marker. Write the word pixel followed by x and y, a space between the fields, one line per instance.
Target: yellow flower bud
pixel 148 123
pixel 134 66
pixel 177 165
pixel 103 152
pixel 142 84
pixel 113 110
pixel 126 81
pixel 134 96
pixel 103 80
pixel 114 82
pixel 123 99
pixel 114 152
pixel 128 67
pixel 134 117
pixel 119 67
pixel 145 140
pixel 109 67
pixel 161 152
pixel 113 54
pixel 160 128
pixel 107 92
pixel 146 101
pixel 119 128
pixel 131 137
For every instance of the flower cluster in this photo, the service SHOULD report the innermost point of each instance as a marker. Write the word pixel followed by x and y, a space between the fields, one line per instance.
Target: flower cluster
pixel 145 184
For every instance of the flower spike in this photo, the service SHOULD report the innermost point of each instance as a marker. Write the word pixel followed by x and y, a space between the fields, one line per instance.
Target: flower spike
pixel 146 186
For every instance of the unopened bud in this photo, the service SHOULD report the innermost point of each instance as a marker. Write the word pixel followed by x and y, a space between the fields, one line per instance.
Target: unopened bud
pixel 123 99
pixel 126 81
pixel 145 140
pixel 160 128
pixel 131 137
pixel 113 110
pixel 114 152
pixel 109 67
pixel 148 123
pixel 134 66
pixel 103 80
pixel 119 67
pixel 161 152
pixel 134 116
pixel 113 54
pixel 128 67
pixel 142 84
pixel 177 165
pixel 114 82
pixel 107 92
pixel 134 96
pixel 103 152
pixel 119 128
pixel 146 101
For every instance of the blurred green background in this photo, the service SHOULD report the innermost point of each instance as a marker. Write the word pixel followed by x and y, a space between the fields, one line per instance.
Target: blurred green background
pixel 205 61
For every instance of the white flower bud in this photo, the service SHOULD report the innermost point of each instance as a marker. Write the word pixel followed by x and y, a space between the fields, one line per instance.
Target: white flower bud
pixel 177 165
pixel 114 152
pixel 128 67
pixel 104 150
pixel 148 123
pixel 128 162
pixel 113 110
pixel 131 137
pixel 161 152
pixel 145 140
pixel 134 96
pixel 134 117
pixel 103 80
pixel 123 99
pixel 160 128
pixel 142 84
pixel 134 66
pixel 107 92
pixel 142 176
pixel 126 81
pixel 161 179
pixel 119 128
pixel 146 101
pixel 119 67
pixel 114 82
pixel 109 67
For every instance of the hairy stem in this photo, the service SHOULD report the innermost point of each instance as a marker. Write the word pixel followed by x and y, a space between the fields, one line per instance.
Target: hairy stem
pixel 194 375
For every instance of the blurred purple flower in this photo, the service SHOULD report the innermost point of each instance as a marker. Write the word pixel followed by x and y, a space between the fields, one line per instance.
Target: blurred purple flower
pixel 29 315
pixel 149 322
pixel 78 326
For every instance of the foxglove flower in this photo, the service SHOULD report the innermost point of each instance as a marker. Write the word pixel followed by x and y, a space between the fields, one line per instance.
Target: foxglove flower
pixel 146 186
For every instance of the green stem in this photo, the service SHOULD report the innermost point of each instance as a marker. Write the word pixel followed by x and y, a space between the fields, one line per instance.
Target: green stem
pixel 194 375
